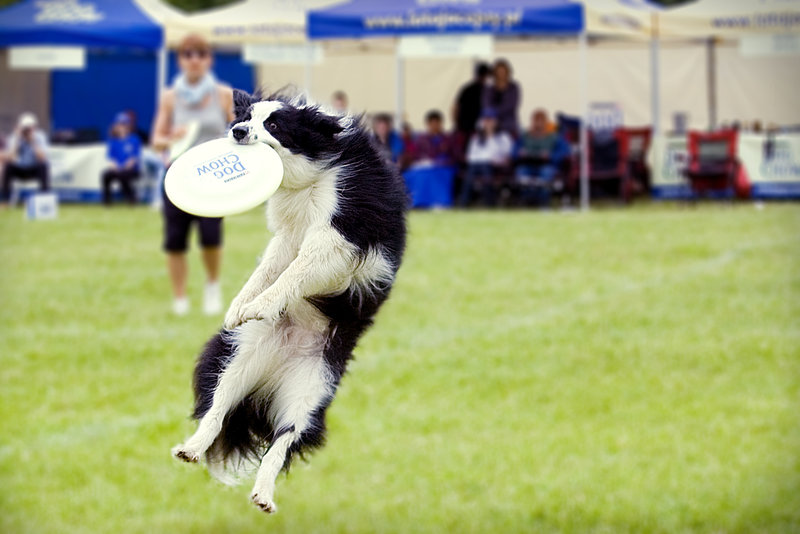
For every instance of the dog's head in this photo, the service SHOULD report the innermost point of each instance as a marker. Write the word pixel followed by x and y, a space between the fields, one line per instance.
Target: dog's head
pixel 299 133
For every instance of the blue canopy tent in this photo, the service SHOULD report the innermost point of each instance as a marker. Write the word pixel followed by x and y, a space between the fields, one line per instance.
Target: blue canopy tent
pixel 97 23
pixel 365 18
pixel 102 26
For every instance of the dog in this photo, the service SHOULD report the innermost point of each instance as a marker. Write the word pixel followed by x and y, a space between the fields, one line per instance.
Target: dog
pixel 263 384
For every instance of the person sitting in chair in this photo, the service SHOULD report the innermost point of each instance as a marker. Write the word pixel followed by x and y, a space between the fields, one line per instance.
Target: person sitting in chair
pixel 537 155
pixel 26 157
pixel 434 147
pixel 386 139
pixel 489 151
pixel 124 150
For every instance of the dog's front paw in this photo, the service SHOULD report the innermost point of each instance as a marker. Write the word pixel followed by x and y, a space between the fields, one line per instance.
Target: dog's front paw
pixel 182 452
pixel 233 317
pixel 262 308
pixel 266 504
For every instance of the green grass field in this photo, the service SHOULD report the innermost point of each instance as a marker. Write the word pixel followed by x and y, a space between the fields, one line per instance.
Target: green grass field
pixel 628 370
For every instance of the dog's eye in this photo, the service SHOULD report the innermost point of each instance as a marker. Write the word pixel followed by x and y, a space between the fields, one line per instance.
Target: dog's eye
pixel 272 126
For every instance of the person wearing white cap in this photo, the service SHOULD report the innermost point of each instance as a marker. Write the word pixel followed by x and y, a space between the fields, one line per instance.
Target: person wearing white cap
pixel 26 157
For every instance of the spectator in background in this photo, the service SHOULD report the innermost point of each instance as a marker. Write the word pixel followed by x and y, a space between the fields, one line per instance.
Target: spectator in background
pixel 489 151
pixel 151 165
pixel 434 147
pixel 503 97
pixel 409 144
pixel 468 106
pixel 538 153
pixel 195 98
pixel 124 152
pixel 339 102
pixel 26 156
pixel 387 140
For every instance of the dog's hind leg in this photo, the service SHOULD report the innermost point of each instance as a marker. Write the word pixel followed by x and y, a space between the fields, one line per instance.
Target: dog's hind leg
pixel 242 375
pixel 298 403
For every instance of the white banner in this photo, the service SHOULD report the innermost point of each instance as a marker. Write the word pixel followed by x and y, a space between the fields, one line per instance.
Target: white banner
pixel 46 57
pixel 770 45
pixel 605 116
pixel 75 170
pixel 668 158
pixel 291 54
pixel 446 46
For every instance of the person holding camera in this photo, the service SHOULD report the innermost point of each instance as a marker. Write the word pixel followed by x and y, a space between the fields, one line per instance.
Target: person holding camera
pixel 26 156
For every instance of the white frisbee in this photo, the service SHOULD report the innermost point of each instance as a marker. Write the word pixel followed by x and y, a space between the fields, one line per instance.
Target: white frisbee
pixel 220 177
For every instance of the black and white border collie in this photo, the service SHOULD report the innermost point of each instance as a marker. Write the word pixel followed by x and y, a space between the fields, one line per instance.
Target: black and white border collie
pixel 262 385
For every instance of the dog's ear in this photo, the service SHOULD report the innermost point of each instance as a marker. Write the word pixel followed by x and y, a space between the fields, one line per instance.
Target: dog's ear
pixel 299 100
pixel 321 123
pixel 285 94
pixel 242 102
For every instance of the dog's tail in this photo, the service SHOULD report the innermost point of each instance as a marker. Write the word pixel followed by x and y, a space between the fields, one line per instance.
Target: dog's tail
pixel 247 430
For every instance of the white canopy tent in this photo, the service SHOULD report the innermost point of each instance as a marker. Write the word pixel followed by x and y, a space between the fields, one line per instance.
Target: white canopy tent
pixel 706 20
pixel 696 19
pixel 279 25
pixel 250 21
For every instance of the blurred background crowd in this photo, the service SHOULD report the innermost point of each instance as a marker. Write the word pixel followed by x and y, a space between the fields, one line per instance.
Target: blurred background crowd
pixel 669 99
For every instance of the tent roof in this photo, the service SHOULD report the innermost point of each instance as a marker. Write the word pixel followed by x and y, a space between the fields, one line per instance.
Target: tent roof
pixel 78 22
pixel 365 18
pixel 693 19
pixel 250 21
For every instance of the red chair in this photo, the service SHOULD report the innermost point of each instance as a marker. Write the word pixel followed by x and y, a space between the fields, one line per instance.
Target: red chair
pixel 621 157
pixel 713 163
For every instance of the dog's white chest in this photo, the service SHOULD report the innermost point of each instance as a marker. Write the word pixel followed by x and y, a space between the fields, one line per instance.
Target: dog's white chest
pixel 294 211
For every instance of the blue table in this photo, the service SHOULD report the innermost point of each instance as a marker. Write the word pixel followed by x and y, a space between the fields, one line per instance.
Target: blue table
pixel 430 187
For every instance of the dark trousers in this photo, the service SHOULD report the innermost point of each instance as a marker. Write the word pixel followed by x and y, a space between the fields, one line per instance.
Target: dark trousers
pixel 125 177
pixel 12 171
pixel 482 174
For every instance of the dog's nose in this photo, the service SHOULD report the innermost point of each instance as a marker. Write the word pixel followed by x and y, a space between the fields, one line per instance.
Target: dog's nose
pixel 239 133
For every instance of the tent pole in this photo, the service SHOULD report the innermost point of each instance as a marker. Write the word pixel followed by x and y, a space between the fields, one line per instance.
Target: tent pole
pixel 308 69
pixel 399 88
pixel 161 75
pixel 711 66
pixel 655 104
pixel 584 129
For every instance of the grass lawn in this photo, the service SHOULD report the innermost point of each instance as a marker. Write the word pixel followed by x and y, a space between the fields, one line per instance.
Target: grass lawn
pixel 628 370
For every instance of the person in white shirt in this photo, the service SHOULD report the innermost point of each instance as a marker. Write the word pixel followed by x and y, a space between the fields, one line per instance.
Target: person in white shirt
pixel 26 157
pixel 488 151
